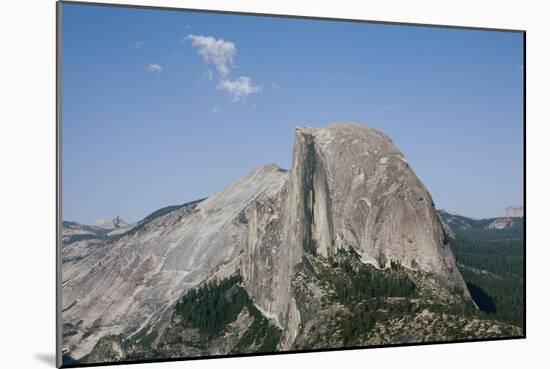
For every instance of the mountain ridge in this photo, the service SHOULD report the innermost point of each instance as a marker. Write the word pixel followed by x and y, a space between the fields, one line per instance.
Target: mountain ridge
pixel 349 208
pixel 464 223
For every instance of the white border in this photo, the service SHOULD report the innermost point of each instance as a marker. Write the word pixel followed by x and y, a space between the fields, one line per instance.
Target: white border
pixel 27 192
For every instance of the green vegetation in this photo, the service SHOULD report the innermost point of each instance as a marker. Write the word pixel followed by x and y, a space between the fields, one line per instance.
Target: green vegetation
pixel 210 308
pixel 374 296
pixel 148 339
pixel 503 257
pixel 491 262
pixel 363 281
pixel 361 321
pixel 261 333
pixel 395 305
pixel 364 316
pixel 371 295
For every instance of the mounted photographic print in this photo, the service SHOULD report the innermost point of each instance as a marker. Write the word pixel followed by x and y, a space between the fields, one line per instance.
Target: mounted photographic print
pixel 241 184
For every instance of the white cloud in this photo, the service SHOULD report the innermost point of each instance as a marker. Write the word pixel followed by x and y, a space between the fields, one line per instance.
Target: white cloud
pixel 154 68
pixel 215 109
pixel 215 51
pixel 138 45
pixel 221 53
pixel 239 89
pixel 274 85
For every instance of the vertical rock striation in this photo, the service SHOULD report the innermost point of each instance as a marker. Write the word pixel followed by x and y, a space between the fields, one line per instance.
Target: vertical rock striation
pixel 364 195
pixel 349 187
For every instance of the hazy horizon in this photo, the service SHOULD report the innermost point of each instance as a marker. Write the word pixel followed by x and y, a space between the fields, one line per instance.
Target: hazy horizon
pixel 165 107
pixel 113 216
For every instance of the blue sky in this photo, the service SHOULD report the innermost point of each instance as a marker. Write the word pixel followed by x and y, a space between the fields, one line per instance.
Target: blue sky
pixel 164 107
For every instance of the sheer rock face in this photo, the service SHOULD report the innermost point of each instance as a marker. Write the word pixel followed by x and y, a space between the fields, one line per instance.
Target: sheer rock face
pixel 360 192
pixel 268 262
pixel 348 187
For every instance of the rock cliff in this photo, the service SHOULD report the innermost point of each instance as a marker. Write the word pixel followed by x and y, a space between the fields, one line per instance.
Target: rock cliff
pixel 349 189
pixel 358 191
pixel 513 212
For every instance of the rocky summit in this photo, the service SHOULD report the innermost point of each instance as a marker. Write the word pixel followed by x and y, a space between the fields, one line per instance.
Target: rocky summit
pixel 513 212
pixel 344 249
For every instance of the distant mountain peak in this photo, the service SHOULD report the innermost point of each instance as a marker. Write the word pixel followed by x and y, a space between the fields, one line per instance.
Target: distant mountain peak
pixel 462 223
pixel 116 222
pixel 513 212
pixel 450 212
